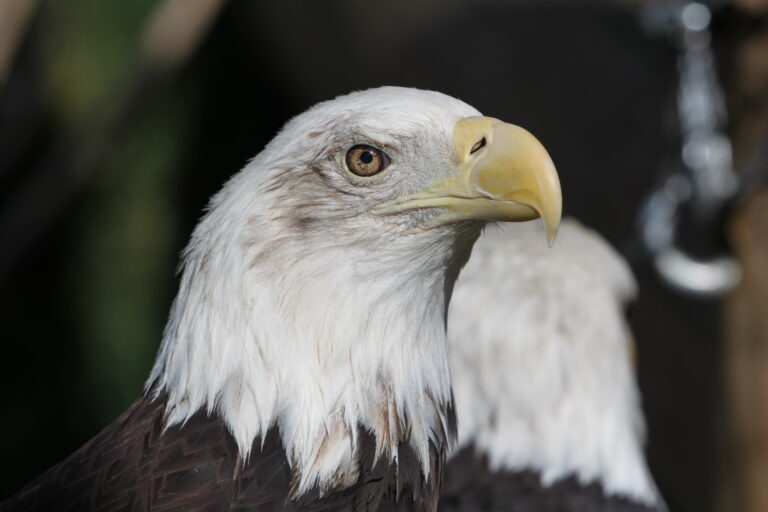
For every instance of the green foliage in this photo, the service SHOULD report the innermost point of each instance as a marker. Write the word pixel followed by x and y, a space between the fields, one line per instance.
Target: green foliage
pixel 121 264
pixel 124 262
pixel 87 48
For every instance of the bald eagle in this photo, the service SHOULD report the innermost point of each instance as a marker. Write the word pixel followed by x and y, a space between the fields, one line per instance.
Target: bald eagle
pixel 547 404
pixel 304 364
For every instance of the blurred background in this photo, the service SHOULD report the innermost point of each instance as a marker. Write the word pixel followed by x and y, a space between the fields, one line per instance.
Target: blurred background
pixel 119 119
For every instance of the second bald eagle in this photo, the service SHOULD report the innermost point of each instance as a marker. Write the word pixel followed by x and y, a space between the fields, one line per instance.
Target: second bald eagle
pixel 548 407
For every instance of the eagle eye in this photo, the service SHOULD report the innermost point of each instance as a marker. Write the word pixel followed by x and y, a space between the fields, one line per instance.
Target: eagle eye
pixel 364 160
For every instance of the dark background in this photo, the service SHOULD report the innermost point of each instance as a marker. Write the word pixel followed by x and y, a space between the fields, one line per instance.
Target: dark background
pixel 106 164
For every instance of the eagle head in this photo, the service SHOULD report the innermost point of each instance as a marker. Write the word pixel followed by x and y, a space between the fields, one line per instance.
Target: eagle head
pixel 314 290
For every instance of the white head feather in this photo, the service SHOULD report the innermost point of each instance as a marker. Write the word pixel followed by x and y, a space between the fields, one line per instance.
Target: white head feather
pixel 299 308
pixel 541 357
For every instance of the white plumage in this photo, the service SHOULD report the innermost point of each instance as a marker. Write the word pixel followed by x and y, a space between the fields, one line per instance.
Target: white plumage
pixel 542 359
pixel 273 328
pixel 304 364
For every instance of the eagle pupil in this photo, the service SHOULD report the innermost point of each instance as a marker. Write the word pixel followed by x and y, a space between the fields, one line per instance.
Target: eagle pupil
pixel 366 157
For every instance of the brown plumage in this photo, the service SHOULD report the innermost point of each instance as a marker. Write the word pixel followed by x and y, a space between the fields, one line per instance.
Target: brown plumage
pixel 471 486
pixel 133 465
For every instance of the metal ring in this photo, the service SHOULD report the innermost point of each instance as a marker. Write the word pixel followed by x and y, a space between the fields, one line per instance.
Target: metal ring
pixel 699 277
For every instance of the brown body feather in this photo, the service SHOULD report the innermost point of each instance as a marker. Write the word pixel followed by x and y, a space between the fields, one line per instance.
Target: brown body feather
pixel 134 465
pixel 471 486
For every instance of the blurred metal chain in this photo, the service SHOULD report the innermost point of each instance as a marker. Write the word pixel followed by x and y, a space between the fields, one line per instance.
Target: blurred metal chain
pixel 708 183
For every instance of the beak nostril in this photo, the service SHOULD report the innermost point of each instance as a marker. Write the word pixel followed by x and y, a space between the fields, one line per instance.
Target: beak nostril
pixel 478 146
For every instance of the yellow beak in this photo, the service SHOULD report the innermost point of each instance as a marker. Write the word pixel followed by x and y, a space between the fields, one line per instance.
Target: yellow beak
pixel 503 174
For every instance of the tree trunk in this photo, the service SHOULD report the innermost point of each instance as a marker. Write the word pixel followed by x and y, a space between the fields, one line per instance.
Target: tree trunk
pixel 744 472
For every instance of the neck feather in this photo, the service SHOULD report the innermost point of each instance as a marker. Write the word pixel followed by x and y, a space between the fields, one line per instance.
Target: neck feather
pixel 265 333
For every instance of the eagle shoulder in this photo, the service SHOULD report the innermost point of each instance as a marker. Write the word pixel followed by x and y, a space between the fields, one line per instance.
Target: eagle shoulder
pixel 470 485
pixel 137 464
